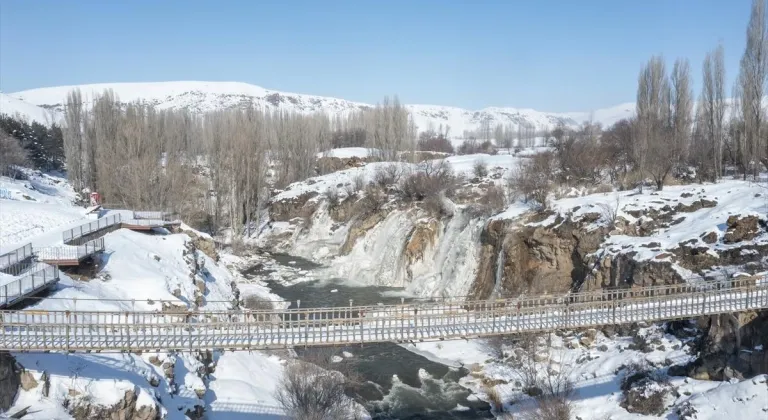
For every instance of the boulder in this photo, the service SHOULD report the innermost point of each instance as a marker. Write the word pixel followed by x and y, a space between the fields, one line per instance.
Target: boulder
pixel 741 229
pixel 28 380
pixel 125 409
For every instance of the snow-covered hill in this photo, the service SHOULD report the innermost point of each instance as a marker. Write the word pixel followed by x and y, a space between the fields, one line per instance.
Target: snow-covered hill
pixel 15 107
pixel 210 96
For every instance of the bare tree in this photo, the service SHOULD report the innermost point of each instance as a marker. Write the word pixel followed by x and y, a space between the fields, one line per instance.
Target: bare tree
pixel 74 138
pixel 681 110
pixel 664 119
pixel 651 94
pixel 547 379
pixel 534 178
pixel 711 115
pixel 617 149
pixel 753 83
pixel 308 392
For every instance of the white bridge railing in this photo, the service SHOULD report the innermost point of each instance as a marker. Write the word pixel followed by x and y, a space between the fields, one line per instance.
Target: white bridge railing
pixel 10 262
pixel 38 278
pixel 38 330
pixel 88 228
pixel 74 253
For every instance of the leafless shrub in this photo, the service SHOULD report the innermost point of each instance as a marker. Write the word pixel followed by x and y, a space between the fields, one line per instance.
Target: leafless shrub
pixel 12 155
pixel 430 180
pixel 553 408
pixel 548 381
pixel 601 189
pixel 579 155
pixel 609 212
pixel 388 175
pixel 533 180
pixel 257 303
pixel 471 146
pixel 492 201
pixel 238 246
pixel 436 205
pixel 308 392
pixel 480 168
pixel 494 398
pixel 494 346
pixel 357 185
pixel 645 389
pixel 373 200
pixel 430 141
pixel 332 197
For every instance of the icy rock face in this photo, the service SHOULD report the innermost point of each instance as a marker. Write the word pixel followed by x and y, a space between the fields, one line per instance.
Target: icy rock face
pixel 407 247
pixel 727 334
pixel 425 255
pixel 124 409
pixel 10 379
pixel 517 258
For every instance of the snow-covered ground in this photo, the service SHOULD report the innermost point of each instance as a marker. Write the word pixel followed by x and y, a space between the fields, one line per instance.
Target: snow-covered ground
pixel 694 211
pixel 597 369
pixel 141 272
pixel 29 208
pixel 348 152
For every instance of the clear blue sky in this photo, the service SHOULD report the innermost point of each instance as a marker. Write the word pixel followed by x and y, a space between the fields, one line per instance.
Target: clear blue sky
pixel 551 55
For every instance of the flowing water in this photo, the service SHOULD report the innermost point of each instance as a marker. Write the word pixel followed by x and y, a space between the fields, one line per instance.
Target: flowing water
pixel 398 384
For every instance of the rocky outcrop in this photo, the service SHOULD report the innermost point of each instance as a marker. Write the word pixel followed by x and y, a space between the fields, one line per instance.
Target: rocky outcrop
pixel 622 270
pixel 534 259
pixel 733 346
pixel 287 209
pixel 125 409
pixel 204 244
pixel 344 210
pixel 327 164
pixel 421 237
pixel 359 228
pixel 741 229
pixel 10 380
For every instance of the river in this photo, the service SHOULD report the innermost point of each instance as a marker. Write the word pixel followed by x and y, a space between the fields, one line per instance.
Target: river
pixel 397 383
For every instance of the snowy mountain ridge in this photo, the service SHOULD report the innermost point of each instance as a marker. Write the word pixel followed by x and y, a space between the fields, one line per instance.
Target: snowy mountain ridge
pixel 12 106
pixel 200 97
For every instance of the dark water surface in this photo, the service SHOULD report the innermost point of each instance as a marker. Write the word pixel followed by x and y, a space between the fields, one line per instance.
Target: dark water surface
pixel 399 384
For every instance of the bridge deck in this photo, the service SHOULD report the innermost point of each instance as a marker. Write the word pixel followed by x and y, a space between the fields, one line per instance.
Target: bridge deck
pixel 37 279
pixel 142 331
pixel 69 255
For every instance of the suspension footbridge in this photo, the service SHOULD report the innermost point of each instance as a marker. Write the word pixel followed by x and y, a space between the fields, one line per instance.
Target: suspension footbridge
pixel 444 319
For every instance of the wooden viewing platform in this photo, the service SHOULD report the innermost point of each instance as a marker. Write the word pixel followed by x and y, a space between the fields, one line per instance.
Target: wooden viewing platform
pixel 36 268
pixel 40 330
pixel 69 255
pixel 35 280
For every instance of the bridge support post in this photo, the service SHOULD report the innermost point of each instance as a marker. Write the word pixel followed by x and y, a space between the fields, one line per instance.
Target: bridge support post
pixel 493 317
pixel 189 329
pixel 362 337
pixel 746 305
pixel 248 330
pixel 67 330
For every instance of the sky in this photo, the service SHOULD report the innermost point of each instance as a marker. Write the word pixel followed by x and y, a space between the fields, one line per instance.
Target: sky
pixel 549 55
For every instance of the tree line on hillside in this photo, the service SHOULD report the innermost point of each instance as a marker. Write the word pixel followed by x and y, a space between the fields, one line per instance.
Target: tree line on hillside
pixel 215 169
pixel 671 135
pixel 24 143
